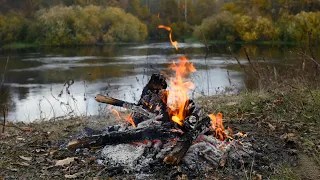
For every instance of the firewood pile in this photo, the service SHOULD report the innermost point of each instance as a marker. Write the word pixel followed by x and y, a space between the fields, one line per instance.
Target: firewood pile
pixel 155 136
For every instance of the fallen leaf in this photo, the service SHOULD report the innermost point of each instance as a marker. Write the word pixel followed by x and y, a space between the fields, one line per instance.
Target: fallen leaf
pixel 288 136
pixel 257 177
pixel 25 158
pixel 39 150
pixel 65 161
pixel 4 134
pixel 20 139
pixel 73 176
pixel 26 128
pixel 11 169
pixel 272 127
pixel 231 103
pixel 21 164
pixel 277 101
pixel 53 152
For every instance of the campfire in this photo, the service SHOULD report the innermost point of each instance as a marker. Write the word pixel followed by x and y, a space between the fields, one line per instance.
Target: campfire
pixel 165 127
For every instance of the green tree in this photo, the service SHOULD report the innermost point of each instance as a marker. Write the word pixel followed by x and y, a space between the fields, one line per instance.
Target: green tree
pixel 12 27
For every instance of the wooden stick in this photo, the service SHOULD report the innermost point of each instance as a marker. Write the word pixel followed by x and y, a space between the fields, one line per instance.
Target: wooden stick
pixel 117 102
pixel 185 142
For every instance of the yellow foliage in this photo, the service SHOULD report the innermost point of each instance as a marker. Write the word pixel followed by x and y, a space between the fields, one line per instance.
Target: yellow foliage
pixel 10 26
pixel 89 25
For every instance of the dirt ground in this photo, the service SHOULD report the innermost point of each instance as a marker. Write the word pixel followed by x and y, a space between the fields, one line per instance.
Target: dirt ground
pixel 283 131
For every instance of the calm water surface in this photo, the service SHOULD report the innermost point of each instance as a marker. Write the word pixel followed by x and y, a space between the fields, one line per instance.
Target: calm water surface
pixel 35 80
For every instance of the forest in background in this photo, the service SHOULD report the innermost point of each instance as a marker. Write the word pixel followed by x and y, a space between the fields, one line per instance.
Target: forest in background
pixel 77 22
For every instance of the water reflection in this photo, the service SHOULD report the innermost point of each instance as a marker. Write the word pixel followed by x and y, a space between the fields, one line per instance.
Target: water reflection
pixel 35 77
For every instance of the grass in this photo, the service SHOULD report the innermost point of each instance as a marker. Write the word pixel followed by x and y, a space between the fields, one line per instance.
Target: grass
pixel 279 112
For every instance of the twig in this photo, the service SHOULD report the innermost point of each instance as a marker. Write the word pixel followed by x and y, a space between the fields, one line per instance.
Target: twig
pixel 251 168
pixel 249 60
pixel 205 43
pixel 205 58
pixel 242 66
pixel 308 88
pixel 54 114
pixel 309 44
pixel 4 119
pixel 5 109
pixel 302 53
pixel 4 72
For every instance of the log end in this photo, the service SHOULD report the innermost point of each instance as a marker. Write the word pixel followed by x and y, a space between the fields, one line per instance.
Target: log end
pixel 72 145
pixel 171 160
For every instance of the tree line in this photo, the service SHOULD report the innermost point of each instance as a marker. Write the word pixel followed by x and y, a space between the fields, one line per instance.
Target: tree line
pixel 67 22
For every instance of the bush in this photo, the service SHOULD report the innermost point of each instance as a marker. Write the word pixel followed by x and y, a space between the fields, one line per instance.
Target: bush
pixel 217 27
pixel 88 25
pixel 302 24
pixel 230 27
pixel 12 27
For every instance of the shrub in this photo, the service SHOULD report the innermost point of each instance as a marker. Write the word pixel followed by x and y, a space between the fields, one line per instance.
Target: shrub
pixel 12 27
pixel 217 27
pixel 229 27
pixel 89 25
pixel 296 27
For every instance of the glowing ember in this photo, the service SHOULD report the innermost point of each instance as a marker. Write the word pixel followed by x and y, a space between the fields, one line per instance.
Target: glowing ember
pixel 130 120
pixel 217 126
pixel 116 113
pixel 174 43
pixel 177 98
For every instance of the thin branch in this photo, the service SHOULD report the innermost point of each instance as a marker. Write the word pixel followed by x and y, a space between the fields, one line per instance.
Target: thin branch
pixel 249 60
pixel 4 119
pixel 205 43
pixel 4 72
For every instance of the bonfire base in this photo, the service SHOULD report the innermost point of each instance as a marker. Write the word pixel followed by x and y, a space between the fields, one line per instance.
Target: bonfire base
pixel 207 152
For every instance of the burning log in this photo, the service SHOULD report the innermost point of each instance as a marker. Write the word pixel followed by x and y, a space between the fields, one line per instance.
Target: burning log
pixel 183 144
pixel 151 115
pixel 168 116
pixel 152 130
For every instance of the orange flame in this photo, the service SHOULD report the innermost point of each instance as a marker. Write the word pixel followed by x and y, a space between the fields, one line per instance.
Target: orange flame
pixel 174 43
pixel 116 113
pixel 130 120
pixel 217 126
pixel 177 98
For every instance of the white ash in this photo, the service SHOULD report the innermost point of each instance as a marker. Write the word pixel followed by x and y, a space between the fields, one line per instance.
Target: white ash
pixel 122 154
pixel 216 152
pixel 136 157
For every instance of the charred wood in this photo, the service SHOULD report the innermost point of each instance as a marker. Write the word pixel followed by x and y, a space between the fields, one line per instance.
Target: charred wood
pixel 161 131
pixel 116 102
pixel 183 144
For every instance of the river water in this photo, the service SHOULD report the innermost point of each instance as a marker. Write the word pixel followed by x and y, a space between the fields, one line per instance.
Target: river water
pixel 36 79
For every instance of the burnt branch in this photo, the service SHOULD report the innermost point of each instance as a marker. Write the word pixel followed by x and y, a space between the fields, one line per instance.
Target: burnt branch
pixel 116 102
pixel 183 144
pixel 153 131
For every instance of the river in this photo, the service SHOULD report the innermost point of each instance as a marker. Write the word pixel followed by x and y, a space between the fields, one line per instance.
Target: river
pixel 35 78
